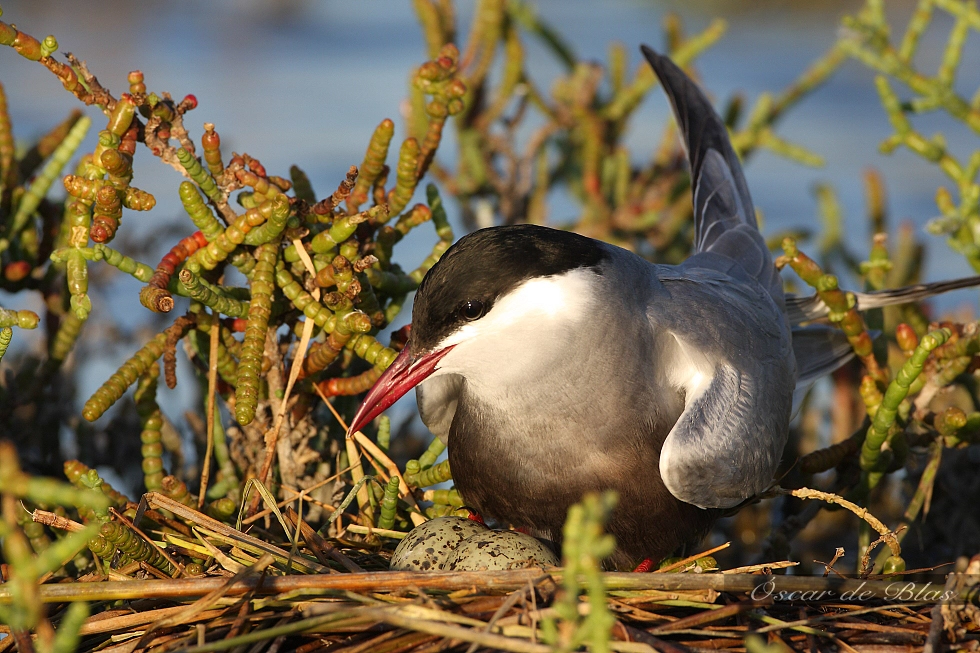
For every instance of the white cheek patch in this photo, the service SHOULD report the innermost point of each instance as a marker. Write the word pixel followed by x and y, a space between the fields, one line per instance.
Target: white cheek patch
pixel 531 306
pixel 522 326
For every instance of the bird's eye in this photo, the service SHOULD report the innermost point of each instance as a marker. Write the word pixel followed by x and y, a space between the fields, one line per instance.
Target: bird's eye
pixel 472 310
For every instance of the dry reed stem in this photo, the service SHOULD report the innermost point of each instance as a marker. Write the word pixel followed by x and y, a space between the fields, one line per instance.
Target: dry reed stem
pixel 487 581
pixel 212 389
pixel 887 535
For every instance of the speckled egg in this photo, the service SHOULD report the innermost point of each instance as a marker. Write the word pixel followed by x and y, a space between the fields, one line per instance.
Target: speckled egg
pixel 491 550
pixel 429 545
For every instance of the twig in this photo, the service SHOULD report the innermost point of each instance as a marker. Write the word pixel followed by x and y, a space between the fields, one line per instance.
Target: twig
pixel 499 581
pixel 378 454
pixel 208 599
pixel 354 459
pixel 298 354
pixel 297 495
pixel 697 556
pixel 887 535
pixel 212 389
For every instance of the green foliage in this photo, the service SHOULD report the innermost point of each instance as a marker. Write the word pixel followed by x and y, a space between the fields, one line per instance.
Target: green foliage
pixel 584 548
pixel 869 40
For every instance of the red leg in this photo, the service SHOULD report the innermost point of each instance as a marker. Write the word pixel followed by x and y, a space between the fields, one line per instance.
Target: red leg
pixel 644 566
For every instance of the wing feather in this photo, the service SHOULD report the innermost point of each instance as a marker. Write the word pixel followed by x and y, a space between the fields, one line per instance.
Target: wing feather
pixel 734 361
pixel 724 217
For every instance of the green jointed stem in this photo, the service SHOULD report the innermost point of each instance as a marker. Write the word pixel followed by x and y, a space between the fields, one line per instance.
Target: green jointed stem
pixel 114 388
pixel 134 547
pixel 122 115
pixel 344 227
pixel 374 161
pixel 221 509
pixel 389 504
pixel 372 351
pixel 78 214
pixel 425 477
pixel 42 183
pixel 917 25
pixel 438 250
pixel 276 212
pixel 208 258
pixel 897 391
pixel 198 291
pixel 140 271
pixel 322 316
pixel 211 144
pixel 954 48
pixel 77 273
pixel 428 457
pixel 107 141
pixel 445 497
pixel 244 261
pixel 177 490
pixel 302 188
pixel 22 319
pixel 119 166
pixel 419 214
pixel 63 341
pixel 201 177
pixel 259 310
pixel 406 176
pixel 135 199
pixel 439 217
pixel 151 421
pixel 82 476
pixel 384 432
pixel 6 333
pixel 102 548
pixel 200 213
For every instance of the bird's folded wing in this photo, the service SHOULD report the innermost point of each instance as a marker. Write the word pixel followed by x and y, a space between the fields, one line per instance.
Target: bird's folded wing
pixel 731 354
pixel 819 350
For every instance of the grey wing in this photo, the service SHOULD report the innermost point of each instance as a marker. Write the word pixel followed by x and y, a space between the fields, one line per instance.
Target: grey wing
pixel 733 357
pixel 819 350
pixel 724 218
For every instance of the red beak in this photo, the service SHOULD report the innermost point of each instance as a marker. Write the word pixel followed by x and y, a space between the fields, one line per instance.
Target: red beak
pixel 406 372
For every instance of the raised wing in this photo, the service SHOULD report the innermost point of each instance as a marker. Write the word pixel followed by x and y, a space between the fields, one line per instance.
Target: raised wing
pixel 724 218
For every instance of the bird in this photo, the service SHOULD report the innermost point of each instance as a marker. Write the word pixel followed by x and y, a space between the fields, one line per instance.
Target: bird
pixel 554 365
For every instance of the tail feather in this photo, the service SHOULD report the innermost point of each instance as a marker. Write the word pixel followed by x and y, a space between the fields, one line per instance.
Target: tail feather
pixel 811 307
pixel 724 218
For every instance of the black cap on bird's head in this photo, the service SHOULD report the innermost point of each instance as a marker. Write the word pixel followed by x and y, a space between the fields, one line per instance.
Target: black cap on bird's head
pixel 463 287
